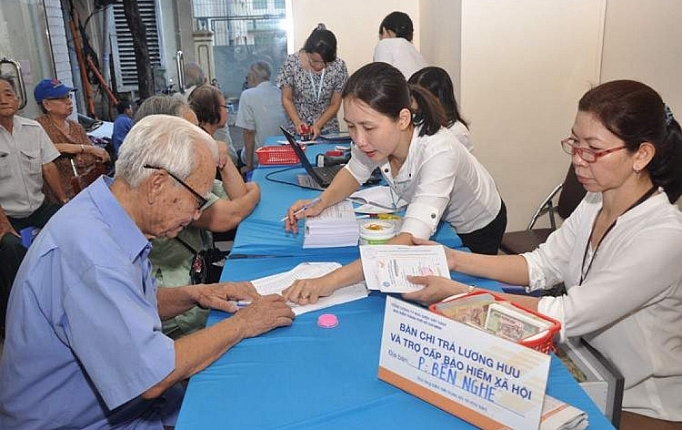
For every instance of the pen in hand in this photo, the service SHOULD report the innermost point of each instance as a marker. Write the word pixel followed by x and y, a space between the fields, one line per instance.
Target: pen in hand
pixel 241 303
pixel 304 208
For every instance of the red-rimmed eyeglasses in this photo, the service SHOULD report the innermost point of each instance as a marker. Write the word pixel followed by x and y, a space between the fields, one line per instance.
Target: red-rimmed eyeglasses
pixel 570 147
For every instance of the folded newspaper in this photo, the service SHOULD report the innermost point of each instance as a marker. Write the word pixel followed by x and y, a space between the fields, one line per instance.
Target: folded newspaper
pixel 557 415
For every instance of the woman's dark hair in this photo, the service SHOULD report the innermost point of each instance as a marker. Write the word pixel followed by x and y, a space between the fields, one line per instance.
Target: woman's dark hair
pixel 438 82
pixel 205 102
pixel 321 41
pixel 399 23
pixel 636 113
pixel 122 106
pixel 383 88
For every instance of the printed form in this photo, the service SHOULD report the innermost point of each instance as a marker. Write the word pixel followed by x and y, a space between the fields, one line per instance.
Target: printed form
pixel 387 267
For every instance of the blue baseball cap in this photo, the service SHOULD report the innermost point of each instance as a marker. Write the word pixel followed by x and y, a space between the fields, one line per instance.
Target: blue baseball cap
pixel 51 89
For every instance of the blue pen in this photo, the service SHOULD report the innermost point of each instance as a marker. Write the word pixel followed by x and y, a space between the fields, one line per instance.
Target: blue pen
pixel 305 207
pixel 242 303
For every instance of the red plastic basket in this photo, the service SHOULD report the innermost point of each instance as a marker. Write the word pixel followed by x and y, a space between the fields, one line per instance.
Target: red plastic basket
pixel 283 154
pixel 544 343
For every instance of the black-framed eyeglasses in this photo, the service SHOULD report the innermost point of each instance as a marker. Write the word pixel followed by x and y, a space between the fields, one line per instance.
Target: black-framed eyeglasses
pixel 570 147
pixel 202 202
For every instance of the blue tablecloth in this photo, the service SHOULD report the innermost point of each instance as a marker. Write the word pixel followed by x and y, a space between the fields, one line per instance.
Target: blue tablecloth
pixel 262 233
pixel 306 377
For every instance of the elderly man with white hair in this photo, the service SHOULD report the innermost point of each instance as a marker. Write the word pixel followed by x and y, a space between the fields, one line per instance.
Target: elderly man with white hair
pixel 85 348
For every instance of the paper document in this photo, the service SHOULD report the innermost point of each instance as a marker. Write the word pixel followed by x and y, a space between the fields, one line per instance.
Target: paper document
pixel 557 415
pixel 274 284
pixel 386 267
pixel 376 200
pixel 333 227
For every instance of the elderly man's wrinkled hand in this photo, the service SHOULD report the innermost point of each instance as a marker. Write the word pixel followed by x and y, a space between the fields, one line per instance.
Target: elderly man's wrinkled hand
pixel 265 314
pixel 222 296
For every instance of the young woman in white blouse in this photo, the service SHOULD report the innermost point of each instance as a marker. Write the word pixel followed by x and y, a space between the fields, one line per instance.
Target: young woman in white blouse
pixel 423 163
pixel 438 82
pixel 395 45
pixel 618 254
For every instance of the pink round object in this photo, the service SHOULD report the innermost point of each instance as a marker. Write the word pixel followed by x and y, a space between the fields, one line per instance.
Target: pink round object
pixel 327 321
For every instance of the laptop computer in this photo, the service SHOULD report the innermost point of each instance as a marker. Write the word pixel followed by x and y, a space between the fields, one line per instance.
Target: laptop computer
pixel 322 175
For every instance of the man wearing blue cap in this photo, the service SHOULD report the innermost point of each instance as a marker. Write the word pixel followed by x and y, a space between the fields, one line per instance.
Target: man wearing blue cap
pixel 26 159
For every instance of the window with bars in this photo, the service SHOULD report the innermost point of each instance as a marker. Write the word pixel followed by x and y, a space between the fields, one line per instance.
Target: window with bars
pixel 122 44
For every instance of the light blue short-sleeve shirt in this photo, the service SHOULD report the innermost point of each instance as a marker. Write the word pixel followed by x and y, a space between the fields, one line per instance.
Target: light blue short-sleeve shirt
pixel 260 109
pixel 84 336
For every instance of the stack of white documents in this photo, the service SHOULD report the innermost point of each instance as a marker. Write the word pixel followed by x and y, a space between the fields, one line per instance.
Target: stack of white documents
pixel 333 227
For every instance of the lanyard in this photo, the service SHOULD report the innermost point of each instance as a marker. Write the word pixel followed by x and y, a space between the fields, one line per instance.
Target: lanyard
pixel 584 273
pixel 312 82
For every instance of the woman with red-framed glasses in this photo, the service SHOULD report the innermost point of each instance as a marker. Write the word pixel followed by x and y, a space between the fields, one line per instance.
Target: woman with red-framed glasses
pixel 618 254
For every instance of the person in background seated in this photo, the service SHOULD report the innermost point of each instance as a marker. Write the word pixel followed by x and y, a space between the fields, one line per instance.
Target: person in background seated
pixel 85 347
pixel 395 44
pixel 26 163
pixel 12 253
pixel 122 124
pixel 208 103
pixel 77 151
pixel 260 113
pixel 311 81
pixel 618 254
pixel 172 258
pixel 438 82
pixel 398 127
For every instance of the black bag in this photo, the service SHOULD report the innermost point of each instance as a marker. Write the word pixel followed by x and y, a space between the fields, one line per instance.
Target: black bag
pixel 207 264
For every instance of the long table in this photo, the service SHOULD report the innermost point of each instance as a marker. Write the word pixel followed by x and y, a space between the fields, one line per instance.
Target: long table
pixel 262 233
pixel 306 377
